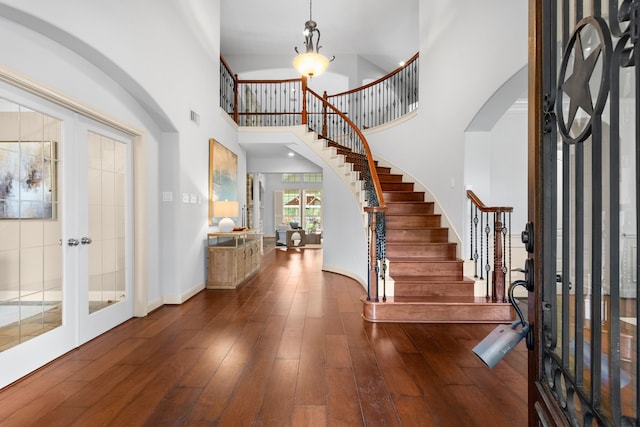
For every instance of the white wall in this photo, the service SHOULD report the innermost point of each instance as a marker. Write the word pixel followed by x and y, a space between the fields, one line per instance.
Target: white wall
pixel 458 74
pixel 496 166
pixel 149 70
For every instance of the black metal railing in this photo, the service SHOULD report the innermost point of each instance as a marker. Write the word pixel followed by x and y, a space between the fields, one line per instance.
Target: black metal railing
pixel 279 102
pixel 269 103
pixel 383 100
pixel 228 90
pixel 490 238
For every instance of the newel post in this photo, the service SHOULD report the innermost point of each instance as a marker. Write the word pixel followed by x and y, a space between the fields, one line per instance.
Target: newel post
pixel 304 100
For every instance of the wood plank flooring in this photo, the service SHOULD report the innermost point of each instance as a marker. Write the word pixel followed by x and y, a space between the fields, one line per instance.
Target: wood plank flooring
pixel 288 348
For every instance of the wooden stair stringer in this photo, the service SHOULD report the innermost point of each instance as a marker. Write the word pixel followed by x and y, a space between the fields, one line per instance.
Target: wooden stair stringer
pixel 339 164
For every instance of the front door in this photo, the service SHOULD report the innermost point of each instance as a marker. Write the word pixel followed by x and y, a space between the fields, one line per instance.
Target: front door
pixel 584 153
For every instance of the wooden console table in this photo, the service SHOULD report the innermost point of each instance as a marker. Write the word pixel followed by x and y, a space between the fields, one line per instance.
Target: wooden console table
pixel 232 258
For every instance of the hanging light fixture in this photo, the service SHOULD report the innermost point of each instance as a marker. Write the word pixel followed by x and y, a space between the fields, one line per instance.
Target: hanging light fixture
pixel 311 63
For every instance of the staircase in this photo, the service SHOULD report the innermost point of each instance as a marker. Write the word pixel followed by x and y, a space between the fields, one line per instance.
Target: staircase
pixel 429 285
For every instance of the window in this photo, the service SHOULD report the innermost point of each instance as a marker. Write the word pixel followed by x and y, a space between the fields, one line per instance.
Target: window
pixel 312 177
pixel 291 177
pixel 301 177
pixel 313 211
pixel 304 207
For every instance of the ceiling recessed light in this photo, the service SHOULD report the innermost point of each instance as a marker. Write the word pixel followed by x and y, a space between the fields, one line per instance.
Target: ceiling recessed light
pixel 291 154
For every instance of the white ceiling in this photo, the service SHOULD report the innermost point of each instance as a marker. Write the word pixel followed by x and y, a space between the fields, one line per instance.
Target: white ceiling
pixel 383 32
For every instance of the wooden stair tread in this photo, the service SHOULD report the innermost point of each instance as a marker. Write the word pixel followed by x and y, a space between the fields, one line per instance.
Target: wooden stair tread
pixel 426 260
pixel 422 228
pixel 417 280
pixel 421 259
pixel 457 300
pixel 437 310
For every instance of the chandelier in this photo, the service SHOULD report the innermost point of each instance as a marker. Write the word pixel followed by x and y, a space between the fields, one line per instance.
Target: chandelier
pixel 311 63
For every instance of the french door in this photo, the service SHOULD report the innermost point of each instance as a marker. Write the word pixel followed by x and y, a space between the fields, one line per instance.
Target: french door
pixel 584 156
pixel 102 228
pixel 65 226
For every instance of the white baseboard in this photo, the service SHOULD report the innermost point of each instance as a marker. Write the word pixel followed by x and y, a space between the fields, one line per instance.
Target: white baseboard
pixel 342 272
pixel 179 299
pixel 154 305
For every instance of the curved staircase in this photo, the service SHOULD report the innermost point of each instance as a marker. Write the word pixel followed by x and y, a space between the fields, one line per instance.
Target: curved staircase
pixel 429 285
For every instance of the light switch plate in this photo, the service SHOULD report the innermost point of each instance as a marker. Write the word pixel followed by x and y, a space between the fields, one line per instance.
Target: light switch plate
pixel 185 197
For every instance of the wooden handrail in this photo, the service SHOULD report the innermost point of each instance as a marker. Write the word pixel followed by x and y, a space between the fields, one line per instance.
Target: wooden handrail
pixel 226 65
pixel 483 208
pixel 372 167
pixel 381 79
pixel 269 81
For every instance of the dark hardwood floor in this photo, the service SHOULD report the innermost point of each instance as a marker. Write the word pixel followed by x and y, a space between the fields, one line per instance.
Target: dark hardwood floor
pixel 288 348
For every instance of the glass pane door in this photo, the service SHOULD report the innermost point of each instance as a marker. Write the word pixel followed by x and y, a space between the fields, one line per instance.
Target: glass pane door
pixel 106 238
pixel 104 268
pixel 30 224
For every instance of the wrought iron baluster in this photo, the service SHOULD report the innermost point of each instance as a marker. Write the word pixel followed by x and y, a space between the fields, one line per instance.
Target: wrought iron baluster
pixel 487 266
pixel 475 249
pixel 482 249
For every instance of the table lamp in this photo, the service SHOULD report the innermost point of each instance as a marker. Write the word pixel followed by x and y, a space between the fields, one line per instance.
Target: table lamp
pixel 225 209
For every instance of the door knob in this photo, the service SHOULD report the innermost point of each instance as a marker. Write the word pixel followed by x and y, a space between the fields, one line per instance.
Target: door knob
pixel 73 242
pixel 85 240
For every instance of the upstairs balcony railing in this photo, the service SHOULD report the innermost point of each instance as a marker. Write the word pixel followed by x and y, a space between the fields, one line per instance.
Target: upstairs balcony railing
pixel 280 102
pixel 339 119
pixel 490 226
pixel 383 100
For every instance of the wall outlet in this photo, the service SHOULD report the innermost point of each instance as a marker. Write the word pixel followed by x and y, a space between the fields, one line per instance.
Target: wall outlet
pixel 185 197
pixel 167 196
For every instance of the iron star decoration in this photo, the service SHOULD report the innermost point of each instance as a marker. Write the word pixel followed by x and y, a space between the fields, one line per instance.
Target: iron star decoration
pixel 577 85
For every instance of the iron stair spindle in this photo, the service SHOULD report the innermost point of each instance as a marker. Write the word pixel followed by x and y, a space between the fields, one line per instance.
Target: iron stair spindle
pixel 475 232
pixel 482 248
pixel 487 266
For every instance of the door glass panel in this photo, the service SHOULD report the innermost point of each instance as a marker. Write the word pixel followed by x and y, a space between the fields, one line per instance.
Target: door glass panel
pixel 30 224
pixel 106 207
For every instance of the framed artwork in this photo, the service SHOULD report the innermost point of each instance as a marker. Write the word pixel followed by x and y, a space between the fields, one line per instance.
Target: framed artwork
pixel 27 179
pixel 223 175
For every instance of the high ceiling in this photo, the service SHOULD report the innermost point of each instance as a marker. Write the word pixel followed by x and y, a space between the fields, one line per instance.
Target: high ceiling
pixel 383 32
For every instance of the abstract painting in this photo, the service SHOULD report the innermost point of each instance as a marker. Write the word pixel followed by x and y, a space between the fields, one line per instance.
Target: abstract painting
pixel 223 175
pixel 27 179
